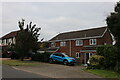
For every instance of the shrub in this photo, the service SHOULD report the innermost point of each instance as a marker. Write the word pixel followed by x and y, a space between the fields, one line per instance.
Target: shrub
pixel 110 54
pixel 5 54
pixel 96 61
pixel 15 55
pixel 43 57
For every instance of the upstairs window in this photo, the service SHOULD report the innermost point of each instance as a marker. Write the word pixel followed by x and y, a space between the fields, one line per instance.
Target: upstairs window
pixel 0 41
pixel 4 42
pixel 53 44
pixel 79 42
pixel 92 41
pixel 63 43
pixel 14 40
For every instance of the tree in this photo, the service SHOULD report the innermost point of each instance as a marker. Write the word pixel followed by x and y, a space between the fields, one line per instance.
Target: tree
pixel 44 45
pixel 109 53
pixel 113 23
pixel 26 39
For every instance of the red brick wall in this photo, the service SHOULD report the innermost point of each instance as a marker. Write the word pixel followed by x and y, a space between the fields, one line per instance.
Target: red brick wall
pixel 86 42
pixel 64 49
pixel 107 38
pixel 57 44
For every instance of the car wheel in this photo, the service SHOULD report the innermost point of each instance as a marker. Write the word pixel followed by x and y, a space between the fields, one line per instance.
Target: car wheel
pixel 65 62
pixel 51 61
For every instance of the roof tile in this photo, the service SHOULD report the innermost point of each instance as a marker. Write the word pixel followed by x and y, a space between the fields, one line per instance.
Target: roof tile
pixel 11 34
pixel 80 34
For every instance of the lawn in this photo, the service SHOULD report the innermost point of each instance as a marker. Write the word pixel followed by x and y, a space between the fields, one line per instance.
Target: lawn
pixel 104 73
pixel 0 62
pixel 20 63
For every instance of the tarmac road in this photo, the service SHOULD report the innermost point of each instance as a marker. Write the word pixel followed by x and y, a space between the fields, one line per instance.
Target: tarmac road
pixel 9 73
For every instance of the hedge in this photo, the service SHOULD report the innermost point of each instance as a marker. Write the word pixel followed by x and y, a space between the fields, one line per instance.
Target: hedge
pixel 43 57
pixel 110 54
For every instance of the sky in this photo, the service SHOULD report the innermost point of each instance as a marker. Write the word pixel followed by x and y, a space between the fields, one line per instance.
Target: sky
pixel 55 17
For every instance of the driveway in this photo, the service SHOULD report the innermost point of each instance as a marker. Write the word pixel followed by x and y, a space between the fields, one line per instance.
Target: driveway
pixel 57 71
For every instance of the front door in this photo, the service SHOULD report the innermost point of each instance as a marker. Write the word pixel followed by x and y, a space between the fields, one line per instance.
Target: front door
pixel 86 57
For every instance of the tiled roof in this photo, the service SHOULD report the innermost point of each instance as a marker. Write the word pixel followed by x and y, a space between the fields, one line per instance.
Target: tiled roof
pixel 11 34
pixel 80 34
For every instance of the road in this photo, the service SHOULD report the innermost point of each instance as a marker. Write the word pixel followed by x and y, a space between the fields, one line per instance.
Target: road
pixel 10 73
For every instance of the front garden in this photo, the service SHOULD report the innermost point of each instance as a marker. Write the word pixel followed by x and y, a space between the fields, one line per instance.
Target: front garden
pixel 104 73
pixel 104 63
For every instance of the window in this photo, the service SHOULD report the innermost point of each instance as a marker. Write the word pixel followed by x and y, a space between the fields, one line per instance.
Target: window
pixel 79 42
pixel 53 44
pixel 14 40
pixel 0 42
pixel 4 42
pixel 92 41
pixel 63 43
pixel 59 54
pixel 78 55
pixel 7 41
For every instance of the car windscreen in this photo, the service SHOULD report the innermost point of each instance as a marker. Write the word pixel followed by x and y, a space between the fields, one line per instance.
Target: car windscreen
pixel 65 55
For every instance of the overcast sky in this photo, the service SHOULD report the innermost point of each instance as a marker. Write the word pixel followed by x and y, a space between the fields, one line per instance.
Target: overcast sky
pixel 55 17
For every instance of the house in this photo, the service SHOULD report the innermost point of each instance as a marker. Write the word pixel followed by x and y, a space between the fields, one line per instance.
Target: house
pixel 9 38
pixel 44 47
pixel 81 44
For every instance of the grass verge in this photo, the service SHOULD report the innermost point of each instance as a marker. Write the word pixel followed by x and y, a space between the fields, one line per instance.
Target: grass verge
pixel 20 63
pixel 104 73
pixel 0 62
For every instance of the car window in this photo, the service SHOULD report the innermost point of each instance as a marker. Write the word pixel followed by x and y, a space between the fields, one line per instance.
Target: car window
pixel 58 54
pixel 65 55
pixel 55 54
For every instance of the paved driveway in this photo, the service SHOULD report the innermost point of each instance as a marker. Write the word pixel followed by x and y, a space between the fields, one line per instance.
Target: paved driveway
pixel 57 71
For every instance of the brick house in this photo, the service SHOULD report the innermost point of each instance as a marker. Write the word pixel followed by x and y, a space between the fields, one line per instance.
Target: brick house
pixel 8 39
pixel 81 44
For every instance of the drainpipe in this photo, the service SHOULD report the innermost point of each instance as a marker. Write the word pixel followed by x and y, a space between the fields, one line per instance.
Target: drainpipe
pixel 70 49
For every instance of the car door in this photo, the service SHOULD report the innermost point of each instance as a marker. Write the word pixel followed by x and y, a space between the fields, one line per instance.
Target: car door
pixel 58 57
pixel 54 57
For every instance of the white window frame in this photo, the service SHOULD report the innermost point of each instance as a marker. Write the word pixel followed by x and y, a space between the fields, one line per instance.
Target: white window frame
pixel 0 41
pixel 7 41
pixel 53 44
pixel 14 40
pixel 78 55
pixel 4 42
pixel 63 43
pixel 93 41
pixel 79 42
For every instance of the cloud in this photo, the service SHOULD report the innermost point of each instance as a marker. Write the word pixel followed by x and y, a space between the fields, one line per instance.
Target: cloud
pixel 55 17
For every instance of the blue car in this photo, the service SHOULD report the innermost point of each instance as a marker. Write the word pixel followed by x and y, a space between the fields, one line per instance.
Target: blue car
pixel 61 57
